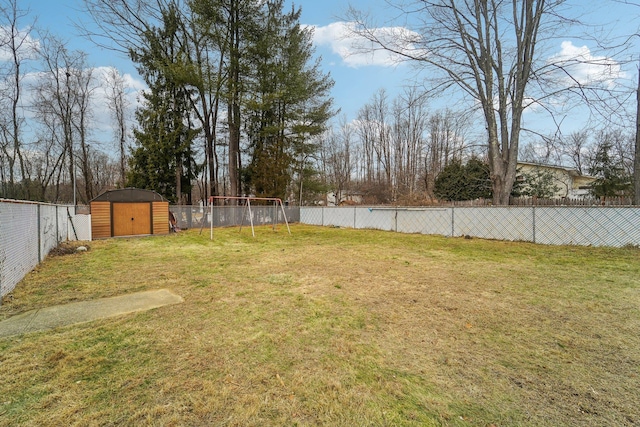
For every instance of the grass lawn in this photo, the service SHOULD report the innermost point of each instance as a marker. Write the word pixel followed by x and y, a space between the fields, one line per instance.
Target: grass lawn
pixel 333 327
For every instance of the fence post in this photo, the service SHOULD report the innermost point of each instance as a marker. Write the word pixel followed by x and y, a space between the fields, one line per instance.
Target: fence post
pixel 355 211
pixel 396 219
pixel 322 216
pixel 453 229
pixel 39 234
pixel 534 223
pixel 57 227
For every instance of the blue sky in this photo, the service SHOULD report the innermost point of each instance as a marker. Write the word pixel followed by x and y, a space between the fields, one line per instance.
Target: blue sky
pixel 357 78
pixel 353 86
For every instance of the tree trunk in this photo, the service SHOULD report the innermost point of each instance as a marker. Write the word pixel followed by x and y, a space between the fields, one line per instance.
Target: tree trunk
pixel 179 181
pixel 233 102
pixel 636 160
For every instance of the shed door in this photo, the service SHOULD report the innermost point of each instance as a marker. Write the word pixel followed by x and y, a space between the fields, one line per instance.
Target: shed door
pixel 130 219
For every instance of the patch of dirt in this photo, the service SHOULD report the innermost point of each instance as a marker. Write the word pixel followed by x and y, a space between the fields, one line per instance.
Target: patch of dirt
pixel 68 248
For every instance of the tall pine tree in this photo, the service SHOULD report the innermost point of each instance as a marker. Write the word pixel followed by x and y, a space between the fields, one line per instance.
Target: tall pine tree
pixel 163 159
pixel 289 102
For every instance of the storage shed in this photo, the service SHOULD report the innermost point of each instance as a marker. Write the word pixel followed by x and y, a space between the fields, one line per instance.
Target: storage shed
pixel 129 212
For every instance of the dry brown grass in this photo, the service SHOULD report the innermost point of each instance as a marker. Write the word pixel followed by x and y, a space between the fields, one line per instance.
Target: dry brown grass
pixel 332 327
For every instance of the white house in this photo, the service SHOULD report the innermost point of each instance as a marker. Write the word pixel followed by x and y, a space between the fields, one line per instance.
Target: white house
pixel 344 198
pixel 569 181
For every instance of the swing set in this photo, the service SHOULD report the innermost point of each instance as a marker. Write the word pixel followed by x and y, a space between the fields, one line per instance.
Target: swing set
pixel 246 203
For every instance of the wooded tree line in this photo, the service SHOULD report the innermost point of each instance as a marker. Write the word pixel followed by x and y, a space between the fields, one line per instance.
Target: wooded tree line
pixel 496 55
pixel 234 98
pixel 46 120
pixel 237 104
pixel 234 80
pixel 394 150
pixel 402 151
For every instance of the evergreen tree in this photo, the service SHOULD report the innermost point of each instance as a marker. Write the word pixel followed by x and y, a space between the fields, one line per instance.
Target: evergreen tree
pixel 478 179
pixel 464 182
pixel 289 103
pixel 450 182
pixel 539 183
pixel 163 159
pixel 611 179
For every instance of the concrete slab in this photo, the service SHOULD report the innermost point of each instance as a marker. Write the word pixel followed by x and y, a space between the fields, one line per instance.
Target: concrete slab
pixel 85 311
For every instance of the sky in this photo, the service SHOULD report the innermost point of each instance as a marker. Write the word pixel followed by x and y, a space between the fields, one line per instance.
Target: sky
pixel 358 78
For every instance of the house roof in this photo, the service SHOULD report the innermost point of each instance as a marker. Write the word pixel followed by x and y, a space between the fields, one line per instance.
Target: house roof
pixel 570 170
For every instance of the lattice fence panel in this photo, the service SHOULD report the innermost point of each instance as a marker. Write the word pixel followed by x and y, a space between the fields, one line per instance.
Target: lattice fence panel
pixel 500 223
pixel 227 216
pixel 49 237
pixel 62 220
pixel 555 225
pixel 28 232
pixel 19 249
pixel 311 215
pixel 82 225
pixel 340 217
pixel 379 218
pixel 600 226
pixel 424 221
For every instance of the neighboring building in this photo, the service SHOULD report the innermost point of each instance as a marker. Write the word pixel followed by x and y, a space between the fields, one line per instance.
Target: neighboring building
pixel 569 181
pixel 344 198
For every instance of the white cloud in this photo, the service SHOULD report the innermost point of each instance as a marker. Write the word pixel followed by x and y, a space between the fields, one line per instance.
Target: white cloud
pixel 356 51
pixel 27 47
pixel 580 66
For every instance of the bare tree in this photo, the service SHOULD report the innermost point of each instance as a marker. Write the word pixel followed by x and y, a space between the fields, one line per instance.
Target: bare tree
pixel 373 127
pixel 636 152
pixel 105 173
pixel 410 118
pixel 636 156
pixel 117 103
pixel 366 132
pixel 82 89
pixel 17 43
pixel 622 147
pixel 444 145
pixel 62 105
pixel 486 48
pixel 46 165
pixel 336 158
pixel 575 148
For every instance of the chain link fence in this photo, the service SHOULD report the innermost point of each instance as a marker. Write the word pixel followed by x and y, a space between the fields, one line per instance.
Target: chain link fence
pixel 28 231
pixel 552 225
pixel 227 216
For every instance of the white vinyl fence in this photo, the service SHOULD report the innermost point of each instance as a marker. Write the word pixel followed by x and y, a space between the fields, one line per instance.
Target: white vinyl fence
pixel 550 225
pixel 28 231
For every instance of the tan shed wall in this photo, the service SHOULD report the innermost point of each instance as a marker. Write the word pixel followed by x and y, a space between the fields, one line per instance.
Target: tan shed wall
pixel 100 220
pixel 160 217
pixel 128 219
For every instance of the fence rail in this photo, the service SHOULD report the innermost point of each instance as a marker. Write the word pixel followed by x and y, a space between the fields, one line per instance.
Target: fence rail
pixel 528 201
pixel 552 225
pixel 28 231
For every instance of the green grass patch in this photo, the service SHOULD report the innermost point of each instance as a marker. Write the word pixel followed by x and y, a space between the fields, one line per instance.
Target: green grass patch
pixel 333 327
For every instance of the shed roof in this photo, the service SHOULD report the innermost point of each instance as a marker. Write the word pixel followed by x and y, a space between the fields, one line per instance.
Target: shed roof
pixel 129 195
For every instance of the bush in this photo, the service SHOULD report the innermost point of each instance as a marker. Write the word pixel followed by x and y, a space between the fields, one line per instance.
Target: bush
pixel 464 182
